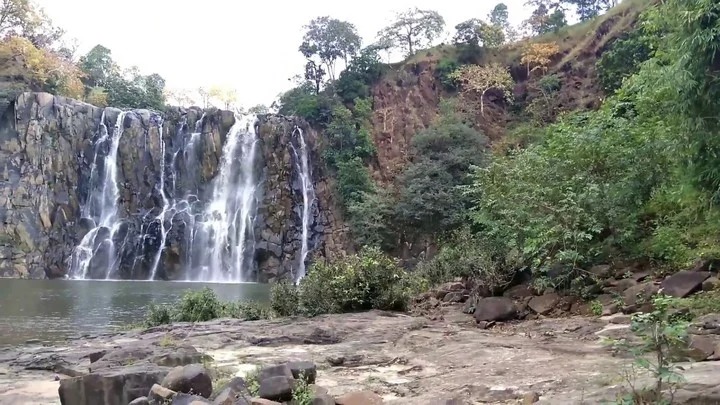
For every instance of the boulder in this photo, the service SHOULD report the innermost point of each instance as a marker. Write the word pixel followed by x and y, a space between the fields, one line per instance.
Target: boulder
pixel 306 369
pixel 263 401
pixel 495 309
pixel 323 399
pixel 702 265
pixel 320 396
pixel 519 291
pixel 704 347
pixel 601 271
pixel 160 395
pixel 544 303
pixel 115 386
pixel 454 286
pixel 193 378
pixel 278 370
pixel 639 294
pixel 620 286
pixel 684 283
pixel 189 399
pixel 359 398
pixel 277 388
pixel 231 393
pixel 712 283
pixel 706 325
pixel 140 401
pixel 120 357
pixel 177 356
pixel 454 296
pixel 530 398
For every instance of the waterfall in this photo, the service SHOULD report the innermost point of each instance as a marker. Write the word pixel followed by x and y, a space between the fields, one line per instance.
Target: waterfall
pixel 224 238
pixel 308 195
pixel 101 206
pixel 166 204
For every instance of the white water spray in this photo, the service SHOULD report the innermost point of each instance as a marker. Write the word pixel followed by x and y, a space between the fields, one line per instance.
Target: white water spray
pixel 308 193
pixel 225 233
pixel 165 207
pixel 102 206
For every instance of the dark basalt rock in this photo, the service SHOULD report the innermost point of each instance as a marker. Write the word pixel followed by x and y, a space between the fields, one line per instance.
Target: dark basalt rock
pixel 40 221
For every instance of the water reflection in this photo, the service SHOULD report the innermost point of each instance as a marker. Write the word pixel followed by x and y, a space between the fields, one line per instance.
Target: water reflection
pixel 53 310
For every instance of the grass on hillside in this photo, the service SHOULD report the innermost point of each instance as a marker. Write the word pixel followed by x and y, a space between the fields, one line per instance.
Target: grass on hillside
pixel 572 39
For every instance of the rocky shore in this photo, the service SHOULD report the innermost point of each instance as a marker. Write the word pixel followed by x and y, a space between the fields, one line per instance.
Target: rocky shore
pixel 375 356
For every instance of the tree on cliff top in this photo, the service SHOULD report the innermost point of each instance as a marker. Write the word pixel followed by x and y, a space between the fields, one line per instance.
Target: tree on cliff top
pixel 413 29
pixel 542 21
pixel 226 95
pixel 330 39
pixel 475 32
pixel 500 18
pixel 43 69
pixel 23 18
pixel 98 66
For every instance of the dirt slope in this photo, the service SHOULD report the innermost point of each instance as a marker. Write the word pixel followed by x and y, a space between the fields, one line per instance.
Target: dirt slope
pixel 406 99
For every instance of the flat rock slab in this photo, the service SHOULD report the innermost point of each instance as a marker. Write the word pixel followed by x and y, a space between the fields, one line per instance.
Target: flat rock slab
pixel 403 359
pixel 684 283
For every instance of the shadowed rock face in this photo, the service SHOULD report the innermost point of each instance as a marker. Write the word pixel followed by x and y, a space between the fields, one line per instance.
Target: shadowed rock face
pixel 47 147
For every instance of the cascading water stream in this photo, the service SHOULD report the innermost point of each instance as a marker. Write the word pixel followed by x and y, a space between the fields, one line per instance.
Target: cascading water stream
pixel 102 205
pixel 166 205
pixel 308 194
pixel 225 231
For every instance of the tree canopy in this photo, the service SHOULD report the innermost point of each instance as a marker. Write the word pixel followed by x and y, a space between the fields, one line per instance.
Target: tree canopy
pixel 413 29
pixel 329 39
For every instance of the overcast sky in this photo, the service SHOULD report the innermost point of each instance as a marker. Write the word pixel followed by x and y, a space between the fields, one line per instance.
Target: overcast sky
pixel 248 45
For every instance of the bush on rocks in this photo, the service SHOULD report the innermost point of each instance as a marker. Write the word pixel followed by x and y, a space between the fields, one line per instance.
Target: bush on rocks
pixel 470 256
pixel 204 305
pixel 284 298
pixel 369 280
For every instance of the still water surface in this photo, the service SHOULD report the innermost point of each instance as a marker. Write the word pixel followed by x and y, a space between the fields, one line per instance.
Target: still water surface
pixel 54 310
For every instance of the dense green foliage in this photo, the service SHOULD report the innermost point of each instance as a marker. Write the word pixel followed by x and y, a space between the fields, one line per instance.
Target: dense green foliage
pixel 443 73
pixel 469 255
pixel 636 179
pixel 34 44
pixel 368 280
pixel 430 200
pixel 623 59
pixel 203 305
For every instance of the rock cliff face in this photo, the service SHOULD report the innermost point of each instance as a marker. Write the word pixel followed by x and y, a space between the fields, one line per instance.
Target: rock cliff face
pixel 49 151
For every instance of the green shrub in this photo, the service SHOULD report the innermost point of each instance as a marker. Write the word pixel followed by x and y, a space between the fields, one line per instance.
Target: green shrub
pixel 372 219
pixel 702 303
pixel 199 306
pixel 368 280
pixel 246 310
pixel 353 179
pixel 443 73
pixel 284 298
pixel 158 315
pixel 302 393
pixel 549 84
pixel 469 256
pixel 204 305
pixel 661 334
pixel 623 59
